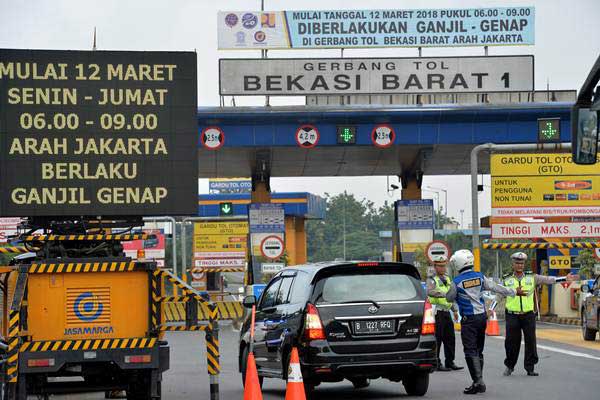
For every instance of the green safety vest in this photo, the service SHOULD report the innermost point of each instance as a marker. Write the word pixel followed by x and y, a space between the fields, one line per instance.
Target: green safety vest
pixel 439 301
pixel 520 303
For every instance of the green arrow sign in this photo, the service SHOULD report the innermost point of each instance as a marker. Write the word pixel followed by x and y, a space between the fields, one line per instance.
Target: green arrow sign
pixel 226 208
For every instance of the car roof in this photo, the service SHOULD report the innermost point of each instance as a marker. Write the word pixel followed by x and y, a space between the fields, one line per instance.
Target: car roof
pixel 314 268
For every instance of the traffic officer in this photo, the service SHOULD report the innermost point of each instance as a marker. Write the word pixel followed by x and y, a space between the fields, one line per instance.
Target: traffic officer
pixel 444 325
pixel 466 289
pixel 520 313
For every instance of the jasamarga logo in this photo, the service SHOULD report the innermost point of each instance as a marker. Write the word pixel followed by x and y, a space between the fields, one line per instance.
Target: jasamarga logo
pixel 89 330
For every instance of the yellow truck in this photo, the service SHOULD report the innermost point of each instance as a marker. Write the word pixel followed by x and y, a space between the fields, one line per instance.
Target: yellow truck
pixel 82 325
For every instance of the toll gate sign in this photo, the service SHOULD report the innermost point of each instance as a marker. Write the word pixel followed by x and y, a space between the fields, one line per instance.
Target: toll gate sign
pixel 88 133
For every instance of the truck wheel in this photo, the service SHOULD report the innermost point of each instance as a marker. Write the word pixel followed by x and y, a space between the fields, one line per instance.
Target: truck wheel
pixel 416 384
pixel 588 334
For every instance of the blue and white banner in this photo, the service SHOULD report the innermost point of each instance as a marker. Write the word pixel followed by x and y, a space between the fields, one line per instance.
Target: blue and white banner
pixel 317 29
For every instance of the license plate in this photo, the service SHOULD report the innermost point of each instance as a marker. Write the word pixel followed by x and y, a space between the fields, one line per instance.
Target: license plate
pixel 373 327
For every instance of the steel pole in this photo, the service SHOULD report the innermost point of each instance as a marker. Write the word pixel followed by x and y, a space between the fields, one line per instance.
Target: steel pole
pixel 474 169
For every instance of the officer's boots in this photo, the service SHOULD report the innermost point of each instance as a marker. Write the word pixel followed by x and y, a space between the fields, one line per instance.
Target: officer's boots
pixel 475 366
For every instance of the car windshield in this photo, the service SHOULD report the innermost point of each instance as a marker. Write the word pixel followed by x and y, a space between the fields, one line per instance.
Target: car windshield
pixel 361 287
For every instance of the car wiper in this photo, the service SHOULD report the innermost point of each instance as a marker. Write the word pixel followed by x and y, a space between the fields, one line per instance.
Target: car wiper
pixel 362 301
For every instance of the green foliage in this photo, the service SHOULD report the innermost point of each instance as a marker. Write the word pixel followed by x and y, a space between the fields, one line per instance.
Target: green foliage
pixel 360 220
pixel 586 261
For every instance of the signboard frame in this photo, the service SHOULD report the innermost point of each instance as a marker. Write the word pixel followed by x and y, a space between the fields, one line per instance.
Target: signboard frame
pixel 463 61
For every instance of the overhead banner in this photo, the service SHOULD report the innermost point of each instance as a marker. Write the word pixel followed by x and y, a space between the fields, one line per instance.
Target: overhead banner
pixel 302 76
pixel 546 230
pixel 89 133
pixel 543 185
pixel 318 29
pixel 229 186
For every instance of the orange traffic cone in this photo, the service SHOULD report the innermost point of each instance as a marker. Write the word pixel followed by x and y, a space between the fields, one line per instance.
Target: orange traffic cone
pixel 492 328
pixel 251 385
pixel 295 385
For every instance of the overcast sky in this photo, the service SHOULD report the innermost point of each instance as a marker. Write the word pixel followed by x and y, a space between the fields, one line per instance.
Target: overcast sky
pixel 567 43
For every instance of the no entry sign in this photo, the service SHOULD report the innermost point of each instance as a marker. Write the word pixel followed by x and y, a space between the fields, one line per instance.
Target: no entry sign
pixel 437 248
pixel 272 247
pixel 307 136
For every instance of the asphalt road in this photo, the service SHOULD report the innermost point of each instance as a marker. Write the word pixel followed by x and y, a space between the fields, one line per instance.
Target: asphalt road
pixel 567 371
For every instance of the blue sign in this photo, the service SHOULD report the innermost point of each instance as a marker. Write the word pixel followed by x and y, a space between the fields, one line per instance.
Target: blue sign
pixel 314 29
pixel 258 289
pixel 266 218
pixel 415 214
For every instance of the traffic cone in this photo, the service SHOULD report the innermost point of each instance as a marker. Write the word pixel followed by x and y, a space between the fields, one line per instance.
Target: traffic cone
pixel 295 385
pixel 251 385
pixel 492 328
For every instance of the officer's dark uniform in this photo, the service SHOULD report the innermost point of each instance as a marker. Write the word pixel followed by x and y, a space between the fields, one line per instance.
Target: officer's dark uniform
pixel 467 290
pixel 444 326
pixel 520 317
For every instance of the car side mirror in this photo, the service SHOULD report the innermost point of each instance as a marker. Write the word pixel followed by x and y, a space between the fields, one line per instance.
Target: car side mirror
pixel 585 288
pixel 584 134
pixel 249 301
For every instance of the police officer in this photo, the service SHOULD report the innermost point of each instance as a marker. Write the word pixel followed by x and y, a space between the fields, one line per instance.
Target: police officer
pixel 444 325
pixel 520 314
pixel 466 290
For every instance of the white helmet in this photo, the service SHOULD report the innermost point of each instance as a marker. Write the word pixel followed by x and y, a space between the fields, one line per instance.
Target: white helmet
pixel 462 259
pixel 519 256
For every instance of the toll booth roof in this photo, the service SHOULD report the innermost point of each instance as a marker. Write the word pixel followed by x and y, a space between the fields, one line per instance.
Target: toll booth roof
pixel 437 138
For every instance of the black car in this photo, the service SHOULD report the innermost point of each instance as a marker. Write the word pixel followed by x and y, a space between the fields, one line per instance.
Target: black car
pixel 350 320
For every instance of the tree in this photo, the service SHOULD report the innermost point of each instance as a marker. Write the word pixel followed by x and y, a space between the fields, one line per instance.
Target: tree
pixel 587 261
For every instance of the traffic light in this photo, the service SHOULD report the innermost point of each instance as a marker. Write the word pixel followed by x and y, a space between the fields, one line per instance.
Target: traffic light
pixel 548 130
pixel 226 209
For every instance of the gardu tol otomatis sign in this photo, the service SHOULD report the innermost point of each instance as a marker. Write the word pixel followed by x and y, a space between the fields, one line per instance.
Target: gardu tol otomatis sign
pixel 289 76
pixel 318 29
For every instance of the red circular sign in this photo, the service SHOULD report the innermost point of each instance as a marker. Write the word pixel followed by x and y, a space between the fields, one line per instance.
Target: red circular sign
pixel 383 136
pixel 307 136
pixel 272 247
pixel 437 247
pixel 212 137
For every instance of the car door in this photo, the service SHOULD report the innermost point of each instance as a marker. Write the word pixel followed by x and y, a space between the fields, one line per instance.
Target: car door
pixel 593 304
pixel 277 324
pixel 264 311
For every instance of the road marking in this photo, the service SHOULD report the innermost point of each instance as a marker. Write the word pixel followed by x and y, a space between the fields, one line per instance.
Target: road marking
pixel 558 350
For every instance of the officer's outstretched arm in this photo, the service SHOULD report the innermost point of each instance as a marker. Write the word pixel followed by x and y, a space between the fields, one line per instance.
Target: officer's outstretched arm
pixel 451 294
pixel 492 286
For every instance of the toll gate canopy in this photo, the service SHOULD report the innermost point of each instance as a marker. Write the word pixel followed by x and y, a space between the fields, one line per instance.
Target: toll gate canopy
pixel 434 139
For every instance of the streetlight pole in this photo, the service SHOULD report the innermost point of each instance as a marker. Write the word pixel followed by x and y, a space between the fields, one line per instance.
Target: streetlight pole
pixel 438 202
pixel 462 212
pixel 445 197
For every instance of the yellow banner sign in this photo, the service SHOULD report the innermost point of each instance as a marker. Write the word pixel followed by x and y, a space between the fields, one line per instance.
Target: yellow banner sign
pixel 543 180
pixel 560 262
pixel 239 228
pixel 412 247
pixel 203 243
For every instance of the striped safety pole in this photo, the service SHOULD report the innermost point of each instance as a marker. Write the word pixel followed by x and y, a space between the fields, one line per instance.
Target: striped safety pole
pixel 212 353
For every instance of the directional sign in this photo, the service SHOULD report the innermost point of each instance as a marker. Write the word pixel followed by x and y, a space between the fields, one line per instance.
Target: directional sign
pixel 437 248
pixel 307 136
pixel 266 218
pixel 226 209
pixel 383 136
pixel 272 247
pixel 340 76
pixel 212 137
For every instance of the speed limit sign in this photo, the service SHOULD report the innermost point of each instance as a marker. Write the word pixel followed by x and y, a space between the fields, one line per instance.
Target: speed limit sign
pixel 383 136
pixel 212 137
pixel 307 136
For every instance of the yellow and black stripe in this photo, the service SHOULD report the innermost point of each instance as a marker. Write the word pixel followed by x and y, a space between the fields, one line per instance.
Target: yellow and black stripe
pixel 57 268
pixel 88 344
pixel 13 250
pixel 181 328
pixel 225 310
pixel 181 285
pixel 47 238
pixel 541 245
pixel 156 303
pixel 212 354
pixel 219 269
pixel 13 346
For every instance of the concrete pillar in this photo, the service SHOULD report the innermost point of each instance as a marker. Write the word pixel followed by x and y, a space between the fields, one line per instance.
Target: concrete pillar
pixel 290 239
pixel 260 193
pixel 301 255
pixel 411 186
